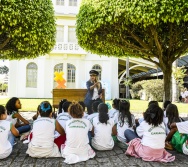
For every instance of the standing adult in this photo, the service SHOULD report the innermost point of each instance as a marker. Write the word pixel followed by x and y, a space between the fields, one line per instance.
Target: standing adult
pixel 94 92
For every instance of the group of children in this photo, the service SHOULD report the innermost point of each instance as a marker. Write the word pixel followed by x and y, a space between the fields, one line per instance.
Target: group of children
pixel 184 95
pixel 75 136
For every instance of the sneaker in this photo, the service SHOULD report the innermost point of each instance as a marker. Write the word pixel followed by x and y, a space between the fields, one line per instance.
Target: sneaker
pixel 24 136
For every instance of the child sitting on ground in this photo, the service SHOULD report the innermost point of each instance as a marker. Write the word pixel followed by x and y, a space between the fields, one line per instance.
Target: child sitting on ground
pixel 12 107
pixel 125 120
pixel 77 148
pixel 103 129
pixel 62 118
pixel 172 115
pixel 6 141
pixel 42 142
pixel 113 113
pixel 94 111
pixel 152 132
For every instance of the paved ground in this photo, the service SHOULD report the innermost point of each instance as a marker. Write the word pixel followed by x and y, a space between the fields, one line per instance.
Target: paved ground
pixel 116 157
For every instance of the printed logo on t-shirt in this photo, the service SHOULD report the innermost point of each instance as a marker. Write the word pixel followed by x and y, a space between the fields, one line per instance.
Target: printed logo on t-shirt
pixel 48 120
pixel 157 133
pixel 71 124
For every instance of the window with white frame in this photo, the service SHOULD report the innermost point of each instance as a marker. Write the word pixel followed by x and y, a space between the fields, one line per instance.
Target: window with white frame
pixel 72 2
pixel 59 33
pixel 60 2
pixel 57 68
pixel 72 34
pixel 31 75
pixel 71 75
pixel 97 68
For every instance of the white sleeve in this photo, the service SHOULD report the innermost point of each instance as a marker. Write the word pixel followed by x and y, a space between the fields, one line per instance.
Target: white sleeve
pixel 182 127
pixel 140 130
pixel 90 126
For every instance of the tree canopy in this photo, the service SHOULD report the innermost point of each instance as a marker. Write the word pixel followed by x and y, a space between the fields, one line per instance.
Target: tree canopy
pixel 155 30
pixel 27 28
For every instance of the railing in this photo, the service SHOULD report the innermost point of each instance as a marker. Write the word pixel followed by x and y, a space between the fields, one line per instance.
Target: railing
pixel 62 47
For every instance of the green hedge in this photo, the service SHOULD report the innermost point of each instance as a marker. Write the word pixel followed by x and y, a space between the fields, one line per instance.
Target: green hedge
pixel 152 88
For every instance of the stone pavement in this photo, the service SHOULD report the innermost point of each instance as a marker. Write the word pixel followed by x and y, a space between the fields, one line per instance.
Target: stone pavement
pixel 113 158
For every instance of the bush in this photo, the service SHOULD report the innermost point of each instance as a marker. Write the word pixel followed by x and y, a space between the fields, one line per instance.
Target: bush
pixel 153 88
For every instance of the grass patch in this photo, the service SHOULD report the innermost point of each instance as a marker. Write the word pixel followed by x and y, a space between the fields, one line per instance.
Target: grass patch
pixel 137 106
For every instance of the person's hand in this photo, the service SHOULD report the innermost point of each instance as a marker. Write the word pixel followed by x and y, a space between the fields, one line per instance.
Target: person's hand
pixel 100 96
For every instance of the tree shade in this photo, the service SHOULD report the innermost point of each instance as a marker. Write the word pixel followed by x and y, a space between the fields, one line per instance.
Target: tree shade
pixel 155 30
pixel 27 28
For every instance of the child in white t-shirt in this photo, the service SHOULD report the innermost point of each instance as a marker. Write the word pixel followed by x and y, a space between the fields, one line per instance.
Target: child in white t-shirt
pixel 113 113
pixel 76 147
pixel 62 118
pixel 125 120
pixel 42 142
pixel 103 129
pixel 6 141
pixel 152 133
pixel 94 111
pixel 172 115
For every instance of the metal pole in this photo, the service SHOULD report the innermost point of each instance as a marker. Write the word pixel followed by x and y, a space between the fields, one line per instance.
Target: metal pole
pixel 127 76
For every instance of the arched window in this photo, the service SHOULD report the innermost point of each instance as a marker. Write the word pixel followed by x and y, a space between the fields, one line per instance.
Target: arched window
pixel 71 75
pixel 97 68
pixel 31 75
pixel 58 68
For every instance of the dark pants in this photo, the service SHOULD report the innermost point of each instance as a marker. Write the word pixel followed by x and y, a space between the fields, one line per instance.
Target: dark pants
pixel 130 135
pixel 89 107
pixel 23 129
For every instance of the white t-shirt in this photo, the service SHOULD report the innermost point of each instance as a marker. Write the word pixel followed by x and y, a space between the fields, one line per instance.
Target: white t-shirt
pixel 153 137
pixel 165 121
pixel 91 116
pixel 112 113
pixel 182 127
pixel 95 94
pixel 103 134
pixel 5 146
pixel 11 119
pixel 121 130
pixel 77 132
pixel 186 93
pixel 62 118
pixel 43 132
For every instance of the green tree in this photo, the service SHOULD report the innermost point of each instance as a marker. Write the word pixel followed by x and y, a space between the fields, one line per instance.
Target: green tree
pixel 27 28
pixel 4 70
pixel 155 30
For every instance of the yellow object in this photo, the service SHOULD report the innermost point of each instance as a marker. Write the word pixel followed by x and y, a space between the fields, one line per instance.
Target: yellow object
pixel 60 80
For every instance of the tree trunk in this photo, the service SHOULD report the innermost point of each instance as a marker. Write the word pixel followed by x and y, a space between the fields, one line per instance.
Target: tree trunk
pixel 167 76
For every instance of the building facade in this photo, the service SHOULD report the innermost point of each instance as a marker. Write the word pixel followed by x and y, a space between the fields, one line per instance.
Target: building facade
pixel 34 78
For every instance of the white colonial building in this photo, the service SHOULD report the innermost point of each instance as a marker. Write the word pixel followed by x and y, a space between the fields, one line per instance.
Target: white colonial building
pixel 34 78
